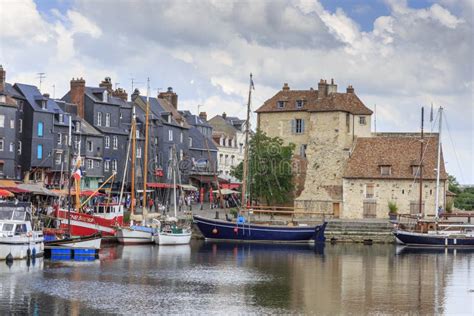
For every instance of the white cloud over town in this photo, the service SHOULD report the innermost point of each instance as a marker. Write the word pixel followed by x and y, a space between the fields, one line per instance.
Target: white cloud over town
pixel 206 50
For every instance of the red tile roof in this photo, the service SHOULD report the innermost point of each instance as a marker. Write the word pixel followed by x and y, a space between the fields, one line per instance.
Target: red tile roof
pixel 398 152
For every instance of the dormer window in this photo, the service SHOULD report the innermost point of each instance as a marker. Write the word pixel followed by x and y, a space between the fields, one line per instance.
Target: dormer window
pixel 105 96
pixel 299 104
pixel 281 104
pixel 78 126
pixel 3 99
pixel 43 104
pixel 61 118
pixel 385 170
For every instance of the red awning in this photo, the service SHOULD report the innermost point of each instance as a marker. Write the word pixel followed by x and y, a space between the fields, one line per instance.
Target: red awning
pixel 231 186
pixel 15 190
pixel 158 185
pixel 90 192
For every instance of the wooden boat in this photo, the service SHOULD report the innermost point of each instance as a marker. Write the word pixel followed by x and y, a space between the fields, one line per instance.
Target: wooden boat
pixel 18 238
pixel 79 242
pixel 218 229
pixel 135 235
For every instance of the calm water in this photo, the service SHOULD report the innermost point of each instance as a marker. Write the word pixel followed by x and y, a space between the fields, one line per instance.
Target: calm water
pixel 213 278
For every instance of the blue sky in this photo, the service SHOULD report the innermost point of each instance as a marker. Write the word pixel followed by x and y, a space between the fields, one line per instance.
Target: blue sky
pixel 398 54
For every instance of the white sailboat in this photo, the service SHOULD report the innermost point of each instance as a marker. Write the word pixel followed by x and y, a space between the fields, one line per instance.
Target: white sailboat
pixel 169 233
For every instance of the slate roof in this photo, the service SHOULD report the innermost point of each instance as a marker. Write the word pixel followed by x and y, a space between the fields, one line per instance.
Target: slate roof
pixel 193 119
pixel 159 106
pixel 199 140
pixel 398 152
pixel 89 91
pixel 336 101
pixel 222 126
pixel 33 95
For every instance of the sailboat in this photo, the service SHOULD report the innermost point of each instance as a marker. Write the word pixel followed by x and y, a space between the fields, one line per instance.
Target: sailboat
pixel 246 231
pixel 67 238
pixel 138 234
pixel 169 233
pixel 433 232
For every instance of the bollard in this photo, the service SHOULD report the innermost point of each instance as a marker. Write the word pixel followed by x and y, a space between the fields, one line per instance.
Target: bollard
pixel 217 215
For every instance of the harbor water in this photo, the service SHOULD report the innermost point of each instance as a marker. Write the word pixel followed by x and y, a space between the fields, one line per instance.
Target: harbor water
pixel 226 278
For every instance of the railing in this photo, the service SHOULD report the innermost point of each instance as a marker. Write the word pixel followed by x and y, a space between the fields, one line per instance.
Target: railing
pixel 280 210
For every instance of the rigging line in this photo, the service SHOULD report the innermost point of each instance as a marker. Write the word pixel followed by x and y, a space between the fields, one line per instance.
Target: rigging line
pixel 454 149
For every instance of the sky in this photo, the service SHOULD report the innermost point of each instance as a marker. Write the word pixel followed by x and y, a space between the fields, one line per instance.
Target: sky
pixel 398 55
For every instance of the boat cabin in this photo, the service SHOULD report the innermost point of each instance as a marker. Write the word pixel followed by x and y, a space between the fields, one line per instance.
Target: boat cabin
pixel 15 219
pixel 108 210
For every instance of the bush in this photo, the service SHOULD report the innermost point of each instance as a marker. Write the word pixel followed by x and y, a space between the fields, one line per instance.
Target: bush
pixel 392 207
pixel 449 206
pixel 234 212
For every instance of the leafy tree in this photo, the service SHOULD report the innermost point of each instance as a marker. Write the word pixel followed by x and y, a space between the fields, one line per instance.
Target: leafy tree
pixel 270 173
pixel 464 197
pixel 453 185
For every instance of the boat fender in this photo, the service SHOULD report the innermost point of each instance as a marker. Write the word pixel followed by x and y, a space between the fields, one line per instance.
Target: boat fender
pixel 33 253
pixel 29 234
pixel 28 253
pixel 9 258
pixel 214 231
pixel 236 230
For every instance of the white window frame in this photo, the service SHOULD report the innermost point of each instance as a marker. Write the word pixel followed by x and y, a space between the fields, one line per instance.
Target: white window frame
pixel 115 142
pixel 90 164
pixel 60 139
pixel 2 120
pixel 99 118
pixel 362 120
pixel 298 127
pixel 58 158
pixel 90 146
pixel 20 125
pixel 2 144
pixel 19 147
pixel 181 137
pixel 12 123
pixel 106 165
pixel 139 152
pixel 170 135
pixel 12 147
pixel 107 119
pixel 190 142
pixel 114 165
pixel 107 141
pixel 281 104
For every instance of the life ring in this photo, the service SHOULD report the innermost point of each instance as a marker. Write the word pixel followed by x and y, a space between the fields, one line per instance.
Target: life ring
pixel 215 231
pixel 236 230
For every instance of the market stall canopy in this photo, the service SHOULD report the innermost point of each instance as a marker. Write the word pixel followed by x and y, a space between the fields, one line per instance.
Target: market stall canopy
pixel 5 193
pixel 11 186
pixel 188 187
pixel 158 185
pixel 36 189
pixel 226 191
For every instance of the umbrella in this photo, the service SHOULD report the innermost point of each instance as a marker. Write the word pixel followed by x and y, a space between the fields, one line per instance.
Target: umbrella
pixel 5 193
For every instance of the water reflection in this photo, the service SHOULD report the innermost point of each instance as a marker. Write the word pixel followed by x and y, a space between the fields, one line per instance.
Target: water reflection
pixel 211 278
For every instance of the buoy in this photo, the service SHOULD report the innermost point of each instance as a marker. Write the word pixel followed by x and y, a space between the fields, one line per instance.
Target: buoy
pixel 214 231
pixel 9 258
pixel 236 230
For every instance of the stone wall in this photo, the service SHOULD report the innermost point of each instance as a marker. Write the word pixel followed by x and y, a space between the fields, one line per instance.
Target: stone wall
pixel 402 192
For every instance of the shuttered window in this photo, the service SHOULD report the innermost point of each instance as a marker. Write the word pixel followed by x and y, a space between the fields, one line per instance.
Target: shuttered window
pixel 370 209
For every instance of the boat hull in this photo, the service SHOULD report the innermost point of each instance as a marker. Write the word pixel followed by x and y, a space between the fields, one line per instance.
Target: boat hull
pixel 433 240
pixel 83 224
pixel 21 247
pixel 89 242
pixel 173 239
pixel 130 236
pixel 216 229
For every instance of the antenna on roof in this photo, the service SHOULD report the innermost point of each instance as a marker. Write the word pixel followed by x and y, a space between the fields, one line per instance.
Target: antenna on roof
pixel 116 85
pixel 199 106
pixel 54 91
pixel 134 83
pixel 41 76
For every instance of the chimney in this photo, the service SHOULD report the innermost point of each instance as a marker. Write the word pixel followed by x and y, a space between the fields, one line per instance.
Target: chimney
pixel 332 88
pixel 78 89
pixel 46 95
pixel 203 116
pixel 286 87
pixel 170 96
pixel 120 93
pixel 2 78
pixel 107 84
pixel 135 94
pixel 224 116
pixel 350 89
pixel 322 89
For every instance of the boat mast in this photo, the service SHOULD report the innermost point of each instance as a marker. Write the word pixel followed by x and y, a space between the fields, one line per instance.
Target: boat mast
pixel 420 168
pixel 134 155
pixel 438 167
pixel 126 165
pixel 174 181
pixel 69 143
pixel 246 151
pixel 145 164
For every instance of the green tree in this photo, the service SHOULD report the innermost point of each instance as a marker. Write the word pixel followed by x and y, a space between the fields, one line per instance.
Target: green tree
pixel 453 185
pixel 270 173
pixel 464 197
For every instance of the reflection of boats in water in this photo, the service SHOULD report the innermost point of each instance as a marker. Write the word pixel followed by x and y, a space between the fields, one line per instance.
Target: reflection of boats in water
pixel 22 266
pixel 178 252
pixel 214 246
pixel 423 250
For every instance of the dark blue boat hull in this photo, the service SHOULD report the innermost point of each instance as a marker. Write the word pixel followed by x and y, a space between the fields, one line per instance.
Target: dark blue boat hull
pixel 216 229
pixel 419 239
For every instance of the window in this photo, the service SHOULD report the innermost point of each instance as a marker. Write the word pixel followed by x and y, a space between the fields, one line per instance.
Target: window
pixel 415 171
pixel 137 134
pixel 139 152
pixel 106 165
pixel 40 129
pixel 115 142
pixel 65 140
pixel 39 152
pixel 2 120
pixel 190 142
pixel 89 146
pixel 12 147
pixel 369 191
pixel 105 96
pixel 225 159
pixel 385 170
pixel 1 172
pixel 155 140
pixel 297 126
pixel 241 147
pixel 370 209
pixel 89 164
pixel 114 165
pixel 232 160
pixel 170 135
pixel 107 119
pixel 97 164
pixel 58 158
pixel 181 154
pixel 299 104
pixel 20 125
pixel 20 105
pixel 181 137
pixel 348 122
pixel 43 104
pixel 230 142
pixel 170 153
pixel 303 151
pixel 60 139
pixel 61 118
pixel 19 147
pixel 12 123
pixel 281 104
pixel 78 126
pixel 107 141
pixel 99 119
pixel 362 120
pixel 220 158
pixel 2 144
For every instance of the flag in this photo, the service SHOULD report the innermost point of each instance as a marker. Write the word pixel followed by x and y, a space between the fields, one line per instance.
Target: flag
pixel 77 174
pixel 251 82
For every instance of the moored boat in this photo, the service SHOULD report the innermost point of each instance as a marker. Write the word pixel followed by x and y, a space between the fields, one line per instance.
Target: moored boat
pixel 18 239
pixel 135 235
pixel 79 242
pixel 218 229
